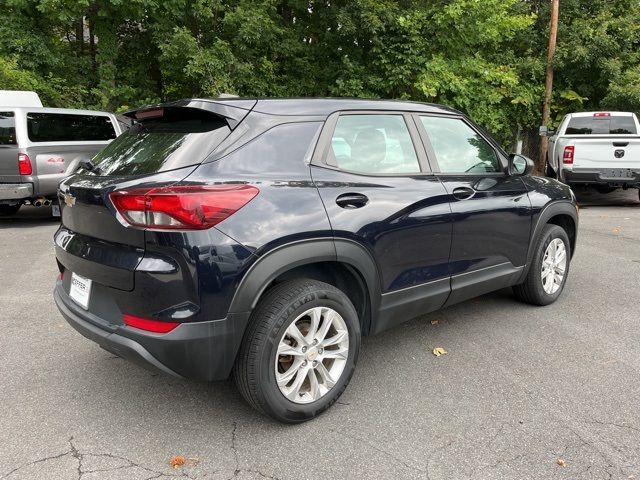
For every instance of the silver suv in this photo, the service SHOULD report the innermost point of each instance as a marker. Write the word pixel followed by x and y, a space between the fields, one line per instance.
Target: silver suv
pixel 41 146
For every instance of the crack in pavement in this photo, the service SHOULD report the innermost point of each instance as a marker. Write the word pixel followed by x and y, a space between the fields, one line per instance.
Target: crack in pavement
pixel 79 456
pixel 380 450
pixel 238 470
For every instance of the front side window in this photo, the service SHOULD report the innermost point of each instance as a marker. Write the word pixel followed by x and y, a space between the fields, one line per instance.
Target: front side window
pixel 459 148
pixel 64 127
pixel 7 128
pixel 373 144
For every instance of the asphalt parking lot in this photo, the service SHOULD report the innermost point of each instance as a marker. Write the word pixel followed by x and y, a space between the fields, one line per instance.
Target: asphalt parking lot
pixel 523 392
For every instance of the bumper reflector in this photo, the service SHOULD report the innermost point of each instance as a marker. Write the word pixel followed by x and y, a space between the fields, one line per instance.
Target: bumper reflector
pixel 147 325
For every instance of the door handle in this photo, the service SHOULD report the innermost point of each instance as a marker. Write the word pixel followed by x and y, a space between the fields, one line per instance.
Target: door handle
pixel 463 193
pixel 352 200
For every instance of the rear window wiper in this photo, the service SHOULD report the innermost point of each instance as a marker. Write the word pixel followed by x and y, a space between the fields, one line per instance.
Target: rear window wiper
pixel 90 167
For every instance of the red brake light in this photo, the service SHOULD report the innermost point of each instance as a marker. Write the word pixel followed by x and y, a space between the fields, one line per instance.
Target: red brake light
pixel 24 164
pixel 154 326
pixel 568 155
pixel 601 114
pixel 191 207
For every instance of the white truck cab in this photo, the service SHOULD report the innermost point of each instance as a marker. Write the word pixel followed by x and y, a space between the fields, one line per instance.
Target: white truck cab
pixel 600 149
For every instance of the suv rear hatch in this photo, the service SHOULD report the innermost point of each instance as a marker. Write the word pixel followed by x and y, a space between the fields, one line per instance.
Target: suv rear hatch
pixel 163 147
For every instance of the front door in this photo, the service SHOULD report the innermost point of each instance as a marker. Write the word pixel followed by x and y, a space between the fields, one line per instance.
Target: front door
pixel 491 209
pixel 378 193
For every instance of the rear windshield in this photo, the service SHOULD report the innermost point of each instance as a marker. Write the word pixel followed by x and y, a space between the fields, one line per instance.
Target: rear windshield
pixel 7 128
pixel 64 127
pixel 615 125
pixel 177 137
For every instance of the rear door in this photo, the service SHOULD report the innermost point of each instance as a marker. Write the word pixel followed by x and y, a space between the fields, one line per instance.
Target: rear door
pixel 160 149
pixel 491 209
pixel 8 148
pixel 378 192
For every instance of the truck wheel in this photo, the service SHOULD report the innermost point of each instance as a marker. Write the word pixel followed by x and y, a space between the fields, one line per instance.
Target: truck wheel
pixel 549 268
pixel 6 210
pixel 550 172
pixel 299 350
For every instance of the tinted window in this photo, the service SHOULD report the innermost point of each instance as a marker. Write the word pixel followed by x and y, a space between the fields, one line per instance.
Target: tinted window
pixel 7 128
pixel 616 125
pixel 178 137
pixel 281 149
pixel 459 148
pixel 63 127
pixel 373 144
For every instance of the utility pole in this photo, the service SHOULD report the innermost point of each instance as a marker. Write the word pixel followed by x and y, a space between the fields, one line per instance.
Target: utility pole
pixel 548 86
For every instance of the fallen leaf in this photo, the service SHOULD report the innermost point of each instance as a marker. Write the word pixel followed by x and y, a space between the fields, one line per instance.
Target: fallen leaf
pixel 177 461
pixel 560 462
pixel 616 230
pixel 435 322
pixel 438 351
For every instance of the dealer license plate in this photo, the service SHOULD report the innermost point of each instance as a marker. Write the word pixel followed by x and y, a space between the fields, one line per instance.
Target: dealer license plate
pixel 80 290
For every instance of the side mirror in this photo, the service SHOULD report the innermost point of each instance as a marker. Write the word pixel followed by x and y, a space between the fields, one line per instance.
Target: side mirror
pixel 520 165
pixel 545 131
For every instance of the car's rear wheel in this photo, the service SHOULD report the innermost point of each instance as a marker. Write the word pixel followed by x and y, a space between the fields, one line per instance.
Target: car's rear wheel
pixel 299 351
pixel 6 210
pixel 549 268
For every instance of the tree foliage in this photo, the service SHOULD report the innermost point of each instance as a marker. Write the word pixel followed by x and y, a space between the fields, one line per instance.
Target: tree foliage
pixel 485 57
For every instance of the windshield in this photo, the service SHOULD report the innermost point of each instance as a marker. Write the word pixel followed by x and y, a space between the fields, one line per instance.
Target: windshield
pixel 175 138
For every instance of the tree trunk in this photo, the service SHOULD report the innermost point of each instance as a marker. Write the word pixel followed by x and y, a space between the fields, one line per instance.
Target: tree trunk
pixel 548 87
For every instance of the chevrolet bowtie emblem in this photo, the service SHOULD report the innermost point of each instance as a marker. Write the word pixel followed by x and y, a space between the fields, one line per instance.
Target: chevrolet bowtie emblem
pixel 69 200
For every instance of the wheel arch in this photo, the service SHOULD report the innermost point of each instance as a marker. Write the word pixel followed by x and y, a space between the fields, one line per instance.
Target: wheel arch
pixel 344 264
pixel 562 213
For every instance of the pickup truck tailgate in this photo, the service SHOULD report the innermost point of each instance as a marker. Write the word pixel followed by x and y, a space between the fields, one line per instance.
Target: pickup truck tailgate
pixel 606 153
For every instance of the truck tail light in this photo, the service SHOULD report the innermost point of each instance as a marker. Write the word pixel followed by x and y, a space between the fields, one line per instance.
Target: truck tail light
pixel 190 207
pixel 24 164
pixel 601 114
pixel 567 159
pixel 154 326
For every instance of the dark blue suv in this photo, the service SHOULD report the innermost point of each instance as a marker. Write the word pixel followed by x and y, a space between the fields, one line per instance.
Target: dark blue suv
pixel 263 238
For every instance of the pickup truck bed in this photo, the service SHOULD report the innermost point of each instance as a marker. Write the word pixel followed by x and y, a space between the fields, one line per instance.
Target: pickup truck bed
pixel 582 153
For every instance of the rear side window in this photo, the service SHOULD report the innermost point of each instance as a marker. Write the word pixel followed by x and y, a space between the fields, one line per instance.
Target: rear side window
pixel 174 138
pixel 7 128
pixel 64 127
pixel 377 144
pixel 614 125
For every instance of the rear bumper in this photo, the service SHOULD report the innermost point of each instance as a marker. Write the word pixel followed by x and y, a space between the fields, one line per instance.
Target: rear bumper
pixel 16 191
pixel 609 177
pixel 200 350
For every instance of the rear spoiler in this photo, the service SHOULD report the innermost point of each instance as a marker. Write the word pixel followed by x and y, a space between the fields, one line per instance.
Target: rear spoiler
pixel 233 111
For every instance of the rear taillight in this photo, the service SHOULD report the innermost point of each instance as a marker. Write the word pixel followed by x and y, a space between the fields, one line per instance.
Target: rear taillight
pixel 154 326
pixel 192 207
pixel 567 159
pixel 601 114
pixel 24 164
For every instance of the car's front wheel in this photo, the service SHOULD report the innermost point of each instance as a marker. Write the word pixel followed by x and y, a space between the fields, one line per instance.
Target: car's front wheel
pixel 549 268
pixel 299 351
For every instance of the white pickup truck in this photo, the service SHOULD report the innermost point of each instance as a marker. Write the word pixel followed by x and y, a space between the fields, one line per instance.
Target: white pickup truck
pixel 600 149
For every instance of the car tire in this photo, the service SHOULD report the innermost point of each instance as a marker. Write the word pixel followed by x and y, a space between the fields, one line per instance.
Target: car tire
pixel 287 311
pixel 7 210
pixel 538 289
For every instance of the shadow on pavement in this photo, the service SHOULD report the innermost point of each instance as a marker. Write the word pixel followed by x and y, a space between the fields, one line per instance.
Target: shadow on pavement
pixel 588 197
pixel 29 216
